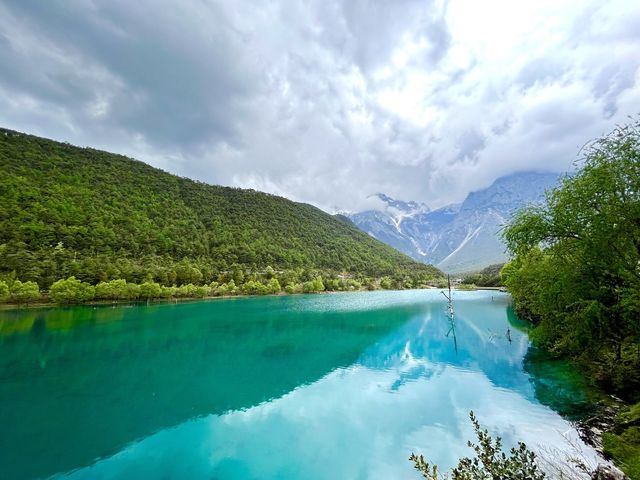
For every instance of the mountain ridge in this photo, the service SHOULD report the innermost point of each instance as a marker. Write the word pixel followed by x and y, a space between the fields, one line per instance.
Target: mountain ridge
pixel 459 237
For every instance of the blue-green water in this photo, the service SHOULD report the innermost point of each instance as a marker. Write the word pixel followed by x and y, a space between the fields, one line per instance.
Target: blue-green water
pixel 339 386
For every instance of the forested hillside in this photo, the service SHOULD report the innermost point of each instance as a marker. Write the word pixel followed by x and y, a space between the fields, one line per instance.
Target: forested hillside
pixel 100 216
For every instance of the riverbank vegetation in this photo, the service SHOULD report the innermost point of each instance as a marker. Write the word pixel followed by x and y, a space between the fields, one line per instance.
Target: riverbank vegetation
pixel 99 217
pixel 487 277
pixel 575 272
pixel 236 282
pixel 623 443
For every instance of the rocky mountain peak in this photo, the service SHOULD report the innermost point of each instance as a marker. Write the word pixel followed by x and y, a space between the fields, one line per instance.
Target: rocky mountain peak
pixel 458 237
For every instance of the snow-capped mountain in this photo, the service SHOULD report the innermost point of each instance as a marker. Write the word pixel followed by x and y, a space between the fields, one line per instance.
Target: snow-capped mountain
pixel 460 237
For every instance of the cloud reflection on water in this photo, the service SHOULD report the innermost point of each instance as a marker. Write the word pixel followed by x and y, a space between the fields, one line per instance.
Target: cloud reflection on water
pixel 410 392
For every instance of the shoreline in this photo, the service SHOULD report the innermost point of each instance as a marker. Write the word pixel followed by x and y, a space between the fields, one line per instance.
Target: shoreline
pixel 592 430
pixel 175 300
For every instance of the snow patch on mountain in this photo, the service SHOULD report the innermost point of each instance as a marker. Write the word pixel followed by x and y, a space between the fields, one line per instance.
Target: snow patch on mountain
pixel 459 237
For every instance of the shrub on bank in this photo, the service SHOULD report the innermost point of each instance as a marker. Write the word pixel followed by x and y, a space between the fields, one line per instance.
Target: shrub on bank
pixel 314 286
pixel 490 462
pixel 273 286
pixel 112 290
pixel 201 291
pixel 149 290
pixel 24 292
pixel 4 291
pixel 71 290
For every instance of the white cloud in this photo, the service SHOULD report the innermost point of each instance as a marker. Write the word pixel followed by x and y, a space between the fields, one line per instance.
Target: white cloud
pixel 325 102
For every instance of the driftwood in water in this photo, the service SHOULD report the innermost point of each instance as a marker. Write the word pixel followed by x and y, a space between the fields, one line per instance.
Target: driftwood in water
pixel 451 314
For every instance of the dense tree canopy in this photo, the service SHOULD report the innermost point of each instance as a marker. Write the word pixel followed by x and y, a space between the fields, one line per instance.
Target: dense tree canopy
pixel 69 211
pixel 576 266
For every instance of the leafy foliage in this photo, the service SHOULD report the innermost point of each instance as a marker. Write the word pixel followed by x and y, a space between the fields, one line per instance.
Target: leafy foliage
pixel 623 445
pixel 24 292
pixel 625 450
pixel 489 463
pixel 116 290
pixel 71 290
pixel 69 211
pixel 576 266
pixel 150 290
pixel 487 277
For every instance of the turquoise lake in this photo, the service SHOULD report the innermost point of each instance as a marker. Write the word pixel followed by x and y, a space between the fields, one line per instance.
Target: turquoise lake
pixel 334 386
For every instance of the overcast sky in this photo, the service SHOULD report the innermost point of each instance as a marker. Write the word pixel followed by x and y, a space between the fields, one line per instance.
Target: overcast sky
pixel 325 101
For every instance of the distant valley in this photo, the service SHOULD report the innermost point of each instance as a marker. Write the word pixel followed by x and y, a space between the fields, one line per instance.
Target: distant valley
pixel 460 237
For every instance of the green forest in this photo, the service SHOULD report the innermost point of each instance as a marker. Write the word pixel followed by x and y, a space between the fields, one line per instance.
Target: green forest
pixel 99 217
pixel 575 274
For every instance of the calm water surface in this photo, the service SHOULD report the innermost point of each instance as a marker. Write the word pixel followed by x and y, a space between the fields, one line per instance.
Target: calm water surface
pixel 339 386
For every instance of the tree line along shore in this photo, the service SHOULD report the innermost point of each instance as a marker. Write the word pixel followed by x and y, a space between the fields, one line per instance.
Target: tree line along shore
pixel 269 282
pixel 575 275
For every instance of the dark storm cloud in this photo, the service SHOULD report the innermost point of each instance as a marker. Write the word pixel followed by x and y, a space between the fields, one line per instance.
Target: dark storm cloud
pixel 324 101
pixel 179 81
